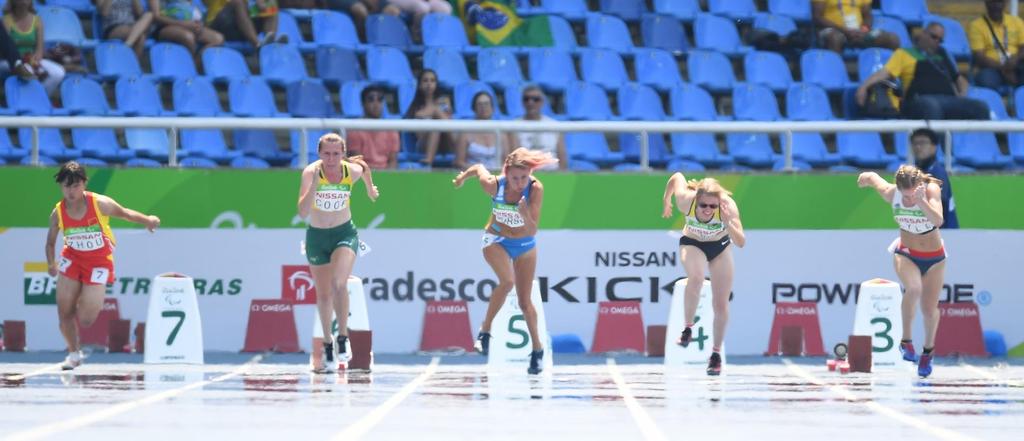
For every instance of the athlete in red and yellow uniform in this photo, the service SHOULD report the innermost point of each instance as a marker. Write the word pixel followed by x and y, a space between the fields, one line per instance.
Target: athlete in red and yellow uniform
pixel 86 263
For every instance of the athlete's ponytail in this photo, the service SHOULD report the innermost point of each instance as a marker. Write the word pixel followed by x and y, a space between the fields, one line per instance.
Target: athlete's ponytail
pixel 909 176
pixel 709 186
pixel 528 159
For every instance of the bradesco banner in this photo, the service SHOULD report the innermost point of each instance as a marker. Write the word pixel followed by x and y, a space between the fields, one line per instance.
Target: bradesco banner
pixel 576 270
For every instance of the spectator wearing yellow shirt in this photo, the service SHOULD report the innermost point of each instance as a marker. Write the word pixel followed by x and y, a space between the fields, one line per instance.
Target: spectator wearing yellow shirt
pixel 847 23
pixel 997 41
pixel 239 19
pixel 932 86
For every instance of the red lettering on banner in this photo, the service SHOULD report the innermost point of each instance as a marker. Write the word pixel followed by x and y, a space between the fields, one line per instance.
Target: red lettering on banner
pixel 446 326
pixel 297 285
pixel 960 330
pixel 620 327
pixel 799 314
pixel 99 331
pixel 271 327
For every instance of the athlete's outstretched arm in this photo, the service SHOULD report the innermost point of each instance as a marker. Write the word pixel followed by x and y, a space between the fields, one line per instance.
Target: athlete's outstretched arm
pixel 488 181
pixel 306 190
pixel 675 188
pixel 111 208
pixel 366 176
pixel 51 243
pixel 731 218
pixel 871 179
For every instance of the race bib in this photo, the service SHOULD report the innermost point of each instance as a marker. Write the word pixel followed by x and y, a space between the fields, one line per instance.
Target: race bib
pixel 99 276
pixel 490 239
pixel 332 197
pixel 508 214
pixel 63 264
pixel 364 249
pixel 84 238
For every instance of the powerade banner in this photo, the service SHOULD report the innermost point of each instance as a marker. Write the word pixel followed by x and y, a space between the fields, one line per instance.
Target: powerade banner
pixel 576 270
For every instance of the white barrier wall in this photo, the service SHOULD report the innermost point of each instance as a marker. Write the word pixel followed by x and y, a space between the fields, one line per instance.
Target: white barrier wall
pixel 576 269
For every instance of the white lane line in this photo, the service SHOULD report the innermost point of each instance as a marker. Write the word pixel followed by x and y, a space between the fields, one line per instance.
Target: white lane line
pixel 912 421
pixel 364 424
pixel 643 420
pixel 990 376
pixel 51 429
pixel 37 372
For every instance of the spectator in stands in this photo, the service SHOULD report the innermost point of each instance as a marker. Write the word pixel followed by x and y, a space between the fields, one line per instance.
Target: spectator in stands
pixel 178 21
pixel 923 143
pixel 479 147
pixel 237 20
pixel 429 103
pixel 933 88
pixel 26 30
pixel 379 147
pixel 997 42
pixel 358 10
pixel 125 20
pixel 551 142
pixel 847 23
pixel 10 59
pixel 418 9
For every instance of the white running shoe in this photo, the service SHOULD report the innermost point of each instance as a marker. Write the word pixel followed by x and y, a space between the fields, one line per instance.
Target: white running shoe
pixel 327 363
pixel 73 360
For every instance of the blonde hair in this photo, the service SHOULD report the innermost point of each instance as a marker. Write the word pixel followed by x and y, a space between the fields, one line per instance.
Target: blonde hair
pixel 908 176
pixel 332 138
pixel 708 186
pixel 528 159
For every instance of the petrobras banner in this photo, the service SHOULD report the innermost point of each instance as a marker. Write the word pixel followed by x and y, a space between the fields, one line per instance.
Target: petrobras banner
pixel 575 271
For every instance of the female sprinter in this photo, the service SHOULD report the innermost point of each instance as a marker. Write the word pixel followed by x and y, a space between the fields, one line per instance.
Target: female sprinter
pixel 86 264
pixel 712 223
pixel 508 243
pixel 919 256
pixel 331 239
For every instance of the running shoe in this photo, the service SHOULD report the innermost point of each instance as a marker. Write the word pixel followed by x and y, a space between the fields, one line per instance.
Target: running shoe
pixel 715 364
pixel 536 358
pixel 907 349
pixel 73 360
pixel 483 343
pixel 685 338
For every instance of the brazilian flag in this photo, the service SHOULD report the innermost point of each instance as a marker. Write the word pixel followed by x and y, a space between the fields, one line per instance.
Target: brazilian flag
pixel 495 23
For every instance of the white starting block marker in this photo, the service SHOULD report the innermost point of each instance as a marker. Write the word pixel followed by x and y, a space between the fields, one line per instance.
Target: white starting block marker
pixel 510 345
pixel 358 319
pixel 174 331
pixel 699 350
pixel 879 315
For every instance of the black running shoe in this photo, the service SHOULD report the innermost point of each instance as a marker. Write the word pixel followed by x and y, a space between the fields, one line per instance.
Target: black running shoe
pixel 483 342
pixel 685 338
pixel 344 349
pixel 536 357
pixel 715 364
pixel 327 358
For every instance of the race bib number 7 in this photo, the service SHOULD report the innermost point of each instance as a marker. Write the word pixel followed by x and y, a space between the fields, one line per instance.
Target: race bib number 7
pixel 99 276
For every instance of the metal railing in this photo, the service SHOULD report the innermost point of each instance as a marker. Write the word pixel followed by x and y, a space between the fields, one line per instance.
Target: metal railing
pixel 303 125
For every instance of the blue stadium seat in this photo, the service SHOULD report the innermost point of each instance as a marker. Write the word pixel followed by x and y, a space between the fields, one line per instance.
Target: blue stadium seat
pixel 312 137
pixel 684 165
pixel 664 32
pixel 44 161
pixel 779 24
pixel 658 154
pixel 700 147
pixel 895 26
pixel 978 150
pixel 464 93
pixel 797 166
pixel 768 69
pixel 799 10
pixel 608 32
pixel 498 66
pixel 197 162
pixel 351 99
pixel 142 163
pixel 552 68
pixel 657 68
pixel 83 8
pixel 603 67
pixel 446 30
pixel 591 147
pixel 1018 102
pixel 262 144
pixel 711 70
pixel 8 150
pixel 195 97
pixel 281 64
pixel 996 108
pixel 92 162
pixel 1016 147
pixel 955 40
pixel 62 25
pixel 332 28
pixel 448 64
pixel 573 10
pixel 388 65
pixel 639 102
pixel 627 167
pixel 685 10
pixel 287 25
pixel 412 165
pixel 309 99
pixel 693 103
pixel 715 33
pixel 171 61
pixel 587 102
pixel 863 149
pixel 514 102
pixel 252 97
pixel 871 60
pixel 629 10
pixel 115 60
pixel 579 165
pixel 562 35
pixel 223 64
pixel 826 69
pixel 138 96
pixel 910 11
pixel 752 102
pixel 810 148
pixel 29 98
pixel 388 30
pixel 807 102
pixel 742 10
pixel 751 149
pixel 83 96
pixel 338 65
pixel 249 162
pixel 406 93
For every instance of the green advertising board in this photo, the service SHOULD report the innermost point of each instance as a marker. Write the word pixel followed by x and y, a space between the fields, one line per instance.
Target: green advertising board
pixel 267 199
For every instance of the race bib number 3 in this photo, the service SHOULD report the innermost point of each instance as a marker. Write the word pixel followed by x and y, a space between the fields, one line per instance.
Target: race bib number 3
pixel 507 214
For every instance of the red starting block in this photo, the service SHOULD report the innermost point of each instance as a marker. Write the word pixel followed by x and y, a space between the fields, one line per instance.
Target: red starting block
pixel 620 327
pixel 98 333
pixel 803 315
pixel 362 352
pixel 860 353
pixel 271 327
pixel 792 341
pixel 14 336
pixel 446 327
pixel 118 338
pixel 656 340
pixel 140 337
pixel 960 330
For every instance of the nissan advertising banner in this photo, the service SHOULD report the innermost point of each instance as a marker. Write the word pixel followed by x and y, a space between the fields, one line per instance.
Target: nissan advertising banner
pixel 576 270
